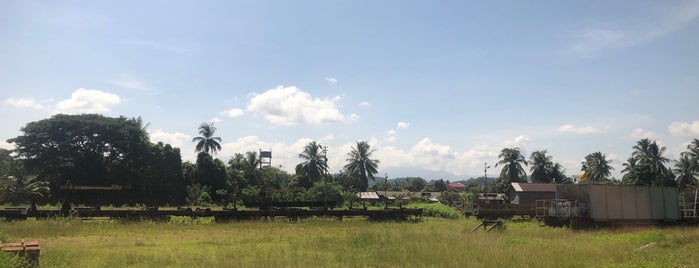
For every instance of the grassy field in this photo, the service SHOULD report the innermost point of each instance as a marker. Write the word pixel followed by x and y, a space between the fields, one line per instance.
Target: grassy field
pixel 322 242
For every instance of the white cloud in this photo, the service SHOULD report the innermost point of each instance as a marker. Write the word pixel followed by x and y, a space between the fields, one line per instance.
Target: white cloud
pixel 579 130
pixel 88 101
pixel 233 113
pixel 354 117
pixel 215 120
pixel 639 133
pixel 176 139
pixel 292 106
pixel 24 103
pixel 328 137
pixel 392 132
pixel 391 139
pixel 364 104
pixel 403 125
pixel 519 141
pixel 663 21
pixel 684 128
pixel 331 80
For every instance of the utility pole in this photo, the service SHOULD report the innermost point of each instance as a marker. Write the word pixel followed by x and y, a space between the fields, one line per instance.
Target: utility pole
pixel 385 188
pixel 485 171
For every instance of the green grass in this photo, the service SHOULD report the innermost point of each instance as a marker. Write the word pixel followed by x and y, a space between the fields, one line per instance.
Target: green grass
pixel 321 242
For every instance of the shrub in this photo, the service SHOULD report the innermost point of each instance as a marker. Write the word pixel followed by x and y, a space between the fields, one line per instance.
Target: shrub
pixel 437 210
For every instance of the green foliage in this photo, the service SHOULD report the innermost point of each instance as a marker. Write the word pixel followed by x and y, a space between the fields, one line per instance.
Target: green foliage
pixel 360 167
pixel 511 161
pixel 314 165
pixel 204 199
pixel 597 167
pixel 451 199
pixel 437 210
pixel 210 172
pixel 195 193
pixel 95 150
pixel 251 194
pixel 207 142
pixel 646 166
pixel 415 184
pixel 12 260
pixel 321 191
pixel 544 170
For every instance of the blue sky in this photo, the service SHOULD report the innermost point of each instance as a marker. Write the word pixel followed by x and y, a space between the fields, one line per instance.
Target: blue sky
pixel 437 87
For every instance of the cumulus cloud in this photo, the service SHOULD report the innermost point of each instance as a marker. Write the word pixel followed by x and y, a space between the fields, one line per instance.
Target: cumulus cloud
pixel 364 104
pixel 392 132
pixel 579 130
pixel 331 80
pixel 24 103
pixel 88 101
pixel 684 128
pixel 292 106
pixel 176 139
pixel 639 133
pixel 403 125
pixel 519 141
pixel 215 120
pixel 233 113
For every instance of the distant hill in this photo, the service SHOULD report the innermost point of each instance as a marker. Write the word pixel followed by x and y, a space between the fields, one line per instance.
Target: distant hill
pixel 411 172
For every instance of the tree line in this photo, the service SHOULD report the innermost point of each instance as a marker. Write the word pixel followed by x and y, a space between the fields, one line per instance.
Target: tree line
pixel 53 155
pixel 647 165
pixel 75 158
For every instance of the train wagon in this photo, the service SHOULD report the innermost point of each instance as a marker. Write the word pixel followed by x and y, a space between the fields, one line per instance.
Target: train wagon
pixel 580 205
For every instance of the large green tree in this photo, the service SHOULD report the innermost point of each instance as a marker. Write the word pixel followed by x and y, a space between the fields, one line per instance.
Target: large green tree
pixel 597 167
pixel 95 150
pixel 85 149
pixel 687 167
pixel 511 160
pixel 207 142
pixel 647 165
pixel 544 170
pixel 314 165
pixel 360 167
pixel 685 172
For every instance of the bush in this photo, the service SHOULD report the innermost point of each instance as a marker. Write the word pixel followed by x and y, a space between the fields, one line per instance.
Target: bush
pixel 437 210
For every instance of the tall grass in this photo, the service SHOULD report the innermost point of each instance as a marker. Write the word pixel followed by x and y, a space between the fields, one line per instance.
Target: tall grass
pixel 353 242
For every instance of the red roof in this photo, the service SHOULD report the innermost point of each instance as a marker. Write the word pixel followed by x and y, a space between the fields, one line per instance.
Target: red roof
pixel 456 185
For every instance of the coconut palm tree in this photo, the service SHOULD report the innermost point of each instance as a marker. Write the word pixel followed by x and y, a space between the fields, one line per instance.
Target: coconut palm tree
pixel 693 151
pixel 314 165
pixel 360 166
pixel 541 166
pixel 511 161
pixel 631 171
pixel 596 167
pixel 650 154
pixel 23 188
pixel 557 173
pixel 685 172
pixel 207 142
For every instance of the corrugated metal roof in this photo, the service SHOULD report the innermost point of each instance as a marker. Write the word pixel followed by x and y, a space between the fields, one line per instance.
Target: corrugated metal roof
pixel 533 187
pixel 368 195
